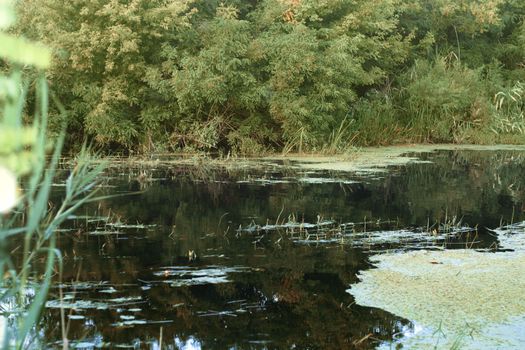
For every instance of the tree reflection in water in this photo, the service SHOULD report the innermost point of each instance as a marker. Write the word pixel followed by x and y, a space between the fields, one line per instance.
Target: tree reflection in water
pixel 283 294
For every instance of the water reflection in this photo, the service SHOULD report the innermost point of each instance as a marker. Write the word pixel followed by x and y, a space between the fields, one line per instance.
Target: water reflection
pixel 126 282
pixel 188 344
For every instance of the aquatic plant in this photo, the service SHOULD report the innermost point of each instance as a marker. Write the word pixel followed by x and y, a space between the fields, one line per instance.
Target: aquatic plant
pixel 372 234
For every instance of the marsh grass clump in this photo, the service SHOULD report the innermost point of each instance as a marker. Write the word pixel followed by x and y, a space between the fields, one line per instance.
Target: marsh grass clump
pixel 439 101
pixel 510 105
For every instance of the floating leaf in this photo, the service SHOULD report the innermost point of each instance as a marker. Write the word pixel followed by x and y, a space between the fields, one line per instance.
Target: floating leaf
pixel 84 345
pixel 138 322
pixel 90 304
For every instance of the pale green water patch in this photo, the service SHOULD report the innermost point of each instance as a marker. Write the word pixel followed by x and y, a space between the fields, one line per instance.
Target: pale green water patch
pixel 377 159
pixel 453 292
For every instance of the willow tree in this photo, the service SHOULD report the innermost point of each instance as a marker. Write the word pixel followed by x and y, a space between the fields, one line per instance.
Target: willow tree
pixel 321 54
pixel 247 75
pixel 103 50
pixel 287 71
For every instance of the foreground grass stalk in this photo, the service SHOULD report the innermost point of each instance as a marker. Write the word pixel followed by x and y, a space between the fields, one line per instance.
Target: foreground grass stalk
pixel 24 285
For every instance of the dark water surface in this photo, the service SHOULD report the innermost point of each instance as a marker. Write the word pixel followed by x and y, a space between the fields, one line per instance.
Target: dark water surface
pixel 195 261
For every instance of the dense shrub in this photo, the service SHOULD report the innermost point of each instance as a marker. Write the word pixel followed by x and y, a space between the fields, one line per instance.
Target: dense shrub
pixel 245 77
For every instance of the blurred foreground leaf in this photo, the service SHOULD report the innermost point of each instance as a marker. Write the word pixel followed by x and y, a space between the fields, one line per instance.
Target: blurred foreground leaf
pixel 18 50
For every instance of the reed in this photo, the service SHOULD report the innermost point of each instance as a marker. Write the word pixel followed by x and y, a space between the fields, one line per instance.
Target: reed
pixel 31 222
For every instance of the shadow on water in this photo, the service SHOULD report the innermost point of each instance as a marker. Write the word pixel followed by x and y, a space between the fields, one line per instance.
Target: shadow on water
pixel 188 261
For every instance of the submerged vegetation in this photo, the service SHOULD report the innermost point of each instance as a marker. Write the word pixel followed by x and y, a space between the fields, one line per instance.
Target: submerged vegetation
pixel 294 75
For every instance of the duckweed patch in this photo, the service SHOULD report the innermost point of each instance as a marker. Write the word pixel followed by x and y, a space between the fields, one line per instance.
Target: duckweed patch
pixel 512 236
pixel 448 292
pixel 377 159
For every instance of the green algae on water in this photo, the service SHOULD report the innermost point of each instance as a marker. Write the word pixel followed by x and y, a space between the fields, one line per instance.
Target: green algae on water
pixel 449 291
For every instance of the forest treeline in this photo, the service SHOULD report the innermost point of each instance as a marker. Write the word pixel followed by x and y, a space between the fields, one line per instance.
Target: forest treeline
pixel 247 76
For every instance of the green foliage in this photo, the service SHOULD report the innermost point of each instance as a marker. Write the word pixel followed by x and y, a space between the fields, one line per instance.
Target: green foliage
pixel 17 141
pixel 137 71
pixel 318 58
pixel 248 76
pixel 23 52
pixel 441 99
pixel 103 51
pixel 510 104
